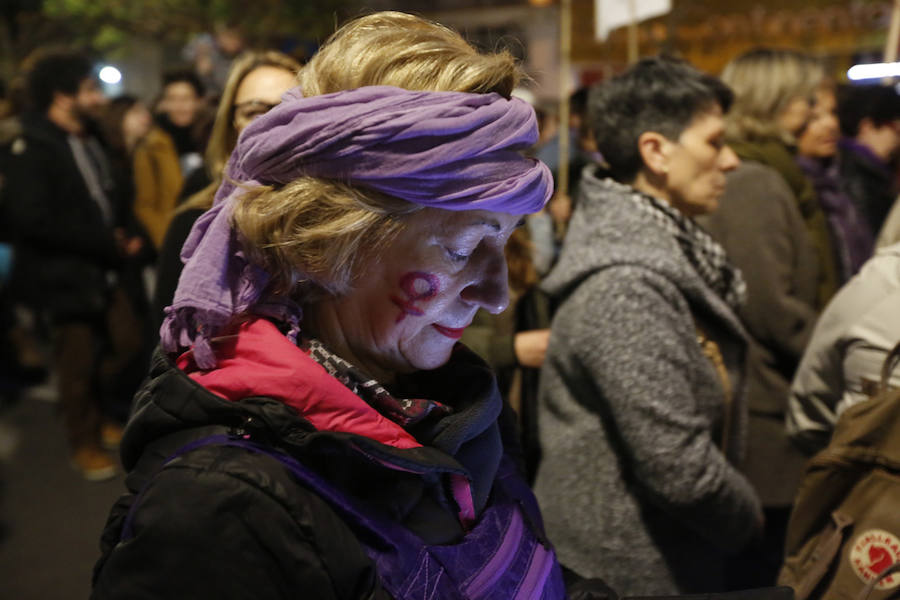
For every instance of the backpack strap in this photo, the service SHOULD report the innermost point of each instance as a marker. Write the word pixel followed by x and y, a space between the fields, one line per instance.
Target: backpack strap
pixel 888 366
pixel 864 594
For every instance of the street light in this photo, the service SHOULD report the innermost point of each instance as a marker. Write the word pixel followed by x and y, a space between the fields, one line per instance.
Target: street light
pixel 111 75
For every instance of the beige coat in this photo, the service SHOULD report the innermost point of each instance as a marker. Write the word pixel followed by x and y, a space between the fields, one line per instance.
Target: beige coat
pixel 157 183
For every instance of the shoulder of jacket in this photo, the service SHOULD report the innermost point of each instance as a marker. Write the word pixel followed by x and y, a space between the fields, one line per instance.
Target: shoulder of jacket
pixel 232 466
pixel 756 174
pixel 623 284
pixel 36 144
pixel 158 140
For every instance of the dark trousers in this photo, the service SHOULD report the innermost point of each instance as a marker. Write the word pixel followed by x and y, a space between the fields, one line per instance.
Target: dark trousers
pixel 92 356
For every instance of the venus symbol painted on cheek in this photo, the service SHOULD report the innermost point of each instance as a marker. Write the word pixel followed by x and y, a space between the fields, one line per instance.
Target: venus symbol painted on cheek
pixel 417 285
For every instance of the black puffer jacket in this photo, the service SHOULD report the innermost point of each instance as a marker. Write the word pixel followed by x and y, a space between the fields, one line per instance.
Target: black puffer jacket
pixel 221 522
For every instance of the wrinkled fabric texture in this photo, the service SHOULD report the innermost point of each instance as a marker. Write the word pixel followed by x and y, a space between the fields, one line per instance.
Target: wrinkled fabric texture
pixel 448 150
pixel 637 483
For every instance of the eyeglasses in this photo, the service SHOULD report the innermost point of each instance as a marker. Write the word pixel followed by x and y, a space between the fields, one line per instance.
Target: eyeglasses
pixel 247 111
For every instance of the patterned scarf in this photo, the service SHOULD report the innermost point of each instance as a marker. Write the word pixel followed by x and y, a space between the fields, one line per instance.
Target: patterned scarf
pixel 705 254
pixel 403 411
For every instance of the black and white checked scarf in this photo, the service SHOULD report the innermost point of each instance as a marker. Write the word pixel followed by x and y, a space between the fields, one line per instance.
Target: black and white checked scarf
pixel 705 254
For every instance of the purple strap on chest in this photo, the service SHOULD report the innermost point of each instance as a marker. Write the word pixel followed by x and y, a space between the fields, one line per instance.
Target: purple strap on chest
pixel 505 555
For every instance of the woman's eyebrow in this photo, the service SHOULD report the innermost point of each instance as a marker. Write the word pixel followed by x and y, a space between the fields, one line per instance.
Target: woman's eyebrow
pixel 493 224
pixel 480 222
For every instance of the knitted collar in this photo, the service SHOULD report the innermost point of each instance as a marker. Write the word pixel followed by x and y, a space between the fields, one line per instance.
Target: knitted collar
pixel 706 255
pixel 403 411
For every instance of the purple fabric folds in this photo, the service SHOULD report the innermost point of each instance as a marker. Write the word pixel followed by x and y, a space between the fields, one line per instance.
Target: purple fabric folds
pixel 448 150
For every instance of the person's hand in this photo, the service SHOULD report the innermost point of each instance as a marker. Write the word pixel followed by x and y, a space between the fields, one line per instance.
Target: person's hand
pixel 133 246
pixel 129 246
pixel 531 347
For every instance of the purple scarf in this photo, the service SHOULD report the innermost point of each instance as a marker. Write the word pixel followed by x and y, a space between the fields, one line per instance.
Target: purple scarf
pixel 449 150
pixel 852 237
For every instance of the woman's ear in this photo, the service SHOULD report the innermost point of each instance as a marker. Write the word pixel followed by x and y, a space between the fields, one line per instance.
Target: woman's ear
pixel 654 149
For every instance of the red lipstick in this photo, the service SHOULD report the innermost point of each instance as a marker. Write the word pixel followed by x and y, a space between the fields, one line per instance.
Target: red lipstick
pixel 450 332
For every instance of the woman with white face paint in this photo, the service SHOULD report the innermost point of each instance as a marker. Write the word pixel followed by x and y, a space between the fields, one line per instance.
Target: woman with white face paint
pixel 311 427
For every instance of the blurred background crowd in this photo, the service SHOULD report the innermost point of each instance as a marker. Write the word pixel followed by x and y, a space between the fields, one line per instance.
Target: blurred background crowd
pixel 117 120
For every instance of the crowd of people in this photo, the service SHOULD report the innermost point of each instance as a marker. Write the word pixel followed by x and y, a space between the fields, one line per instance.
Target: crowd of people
pixel 388 360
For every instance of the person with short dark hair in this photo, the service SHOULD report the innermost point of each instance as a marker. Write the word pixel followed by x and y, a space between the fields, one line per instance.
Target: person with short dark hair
pixel 642 391
pixel 66 216
pixel 870 124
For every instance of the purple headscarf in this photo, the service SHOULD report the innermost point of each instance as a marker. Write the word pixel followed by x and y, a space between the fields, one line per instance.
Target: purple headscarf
pixel 449 150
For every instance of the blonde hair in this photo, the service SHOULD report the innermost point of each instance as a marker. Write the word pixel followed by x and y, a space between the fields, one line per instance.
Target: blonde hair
pixel 519 251
pixel 223 137
pixel 319 233
pixel 765 81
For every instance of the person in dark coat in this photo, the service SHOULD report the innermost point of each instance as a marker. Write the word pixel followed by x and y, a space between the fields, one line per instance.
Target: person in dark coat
pixel 311 426
pixel 870 124
pixel 70 238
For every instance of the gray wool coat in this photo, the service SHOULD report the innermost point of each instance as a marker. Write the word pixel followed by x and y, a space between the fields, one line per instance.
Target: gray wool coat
pixel 633 484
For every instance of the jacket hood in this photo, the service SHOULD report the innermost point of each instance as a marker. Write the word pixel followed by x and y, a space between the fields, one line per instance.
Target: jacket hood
pixel 323 417
pixel 606 230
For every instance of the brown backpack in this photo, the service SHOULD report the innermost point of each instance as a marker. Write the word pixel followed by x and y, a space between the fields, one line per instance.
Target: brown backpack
pixel 843 539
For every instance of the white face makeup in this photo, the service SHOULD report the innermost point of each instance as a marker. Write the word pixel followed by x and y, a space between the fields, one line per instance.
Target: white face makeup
pixel 411 306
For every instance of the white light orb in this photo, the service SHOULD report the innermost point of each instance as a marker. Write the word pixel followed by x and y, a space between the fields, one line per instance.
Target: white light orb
pixel 110 75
